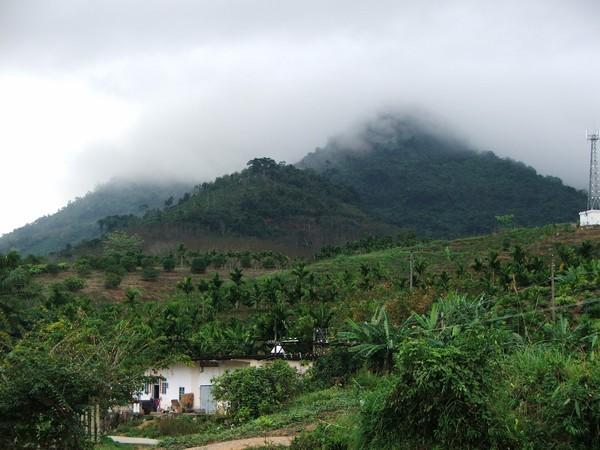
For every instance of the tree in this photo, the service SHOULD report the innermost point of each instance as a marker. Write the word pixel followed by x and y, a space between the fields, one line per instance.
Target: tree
pixel 62 368
pixel 186 285
pixel 374 341
pixel 199 264
pixel 118 244
pixel 181 253
pixel 168 263
pixel 505 221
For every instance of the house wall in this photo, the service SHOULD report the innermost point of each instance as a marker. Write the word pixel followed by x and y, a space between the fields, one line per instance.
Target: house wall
pixel 589 218
pixel 192 377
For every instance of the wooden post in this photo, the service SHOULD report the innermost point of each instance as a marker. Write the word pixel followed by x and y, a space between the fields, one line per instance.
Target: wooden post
pixel 410 278
pixel 552 300
pixel 97 423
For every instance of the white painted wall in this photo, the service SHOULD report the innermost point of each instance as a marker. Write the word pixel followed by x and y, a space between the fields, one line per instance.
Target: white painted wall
pixel 192 377
pixel 589 218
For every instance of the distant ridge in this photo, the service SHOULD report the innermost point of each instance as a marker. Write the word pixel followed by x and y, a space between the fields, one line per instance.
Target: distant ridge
pixel 78 220
pixel 395 173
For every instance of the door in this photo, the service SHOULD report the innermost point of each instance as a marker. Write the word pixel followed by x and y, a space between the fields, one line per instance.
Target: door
pixel 207 402
pixel 156 391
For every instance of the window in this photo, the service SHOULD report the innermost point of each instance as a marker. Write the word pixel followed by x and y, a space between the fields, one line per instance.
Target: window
pixel 146 389
pixel 181 392
pixel 164 386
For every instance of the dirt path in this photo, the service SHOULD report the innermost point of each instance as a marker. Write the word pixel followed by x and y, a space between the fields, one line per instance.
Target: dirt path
pixel 240 444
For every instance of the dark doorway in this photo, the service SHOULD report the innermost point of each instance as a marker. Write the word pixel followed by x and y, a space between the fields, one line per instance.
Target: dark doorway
pixel 156 391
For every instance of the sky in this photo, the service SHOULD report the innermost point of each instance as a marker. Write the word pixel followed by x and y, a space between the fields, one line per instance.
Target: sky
pixel 192 89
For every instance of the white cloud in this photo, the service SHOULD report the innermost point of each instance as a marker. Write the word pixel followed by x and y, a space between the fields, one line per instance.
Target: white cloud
pixel 193 89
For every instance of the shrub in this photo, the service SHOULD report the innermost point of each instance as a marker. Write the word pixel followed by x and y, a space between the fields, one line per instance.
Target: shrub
pixel 268 263
pixel 52 268
pixel 73 283
pixel 168 263
pixel 83 267
pixel 116 269
pixel 149 273
pixel 246 261
pixel 199 264
pixel 335 367
pixel 112 280
pixel 253 391
pixel 218 261
pixel 129 263
pixel 438 396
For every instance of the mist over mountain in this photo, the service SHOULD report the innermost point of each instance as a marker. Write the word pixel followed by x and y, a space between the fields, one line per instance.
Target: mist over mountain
pixel 78 220
pixel 411 173
pixel 394 172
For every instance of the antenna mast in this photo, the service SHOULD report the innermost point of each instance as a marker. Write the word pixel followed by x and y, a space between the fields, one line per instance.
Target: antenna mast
pixel 594 187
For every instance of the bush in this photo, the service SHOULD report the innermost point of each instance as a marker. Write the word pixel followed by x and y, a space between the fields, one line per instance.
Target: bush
pixel 52 268
pixel 112 280
pixel 168 264
pixel 129 263
pixel 246 261
pixel 149 273
pixel 335 367
pixel 73 283
pixel 199 264
pixel 253 391
pixel 439 396
pixel 218 261
pixel 268 263
pixel 116 269
pixel 83 267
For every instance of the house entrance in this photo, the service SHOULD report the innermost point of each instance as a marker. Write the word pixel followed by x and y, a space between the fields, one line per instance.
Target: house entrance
pixel 207 402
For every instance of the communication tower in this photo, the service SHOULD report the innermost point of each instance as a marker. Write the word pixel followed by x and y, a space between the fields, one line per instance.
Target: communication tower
pixel 592 215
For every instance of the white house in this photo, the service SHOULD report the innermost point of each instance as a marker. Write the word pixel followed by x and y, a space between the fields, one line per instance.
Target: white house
pixel 181 379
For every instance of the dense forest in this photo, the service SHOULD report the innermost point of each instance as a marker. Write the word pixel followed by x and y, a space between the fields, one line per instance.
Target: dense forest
pixel 78 220
pixel 269 202
pixel 413 176
pixel 487 342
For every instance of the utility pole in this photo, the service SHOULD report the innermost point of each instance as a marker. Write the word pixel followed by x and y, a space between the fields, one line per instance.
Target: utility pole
pixel 410 278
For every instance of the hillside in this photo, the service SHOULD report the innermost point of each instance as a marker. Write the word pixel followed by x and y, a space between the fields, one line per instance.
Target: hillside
pixel 78 220
pixel 410 175
pixel 479 313
pixel 267 205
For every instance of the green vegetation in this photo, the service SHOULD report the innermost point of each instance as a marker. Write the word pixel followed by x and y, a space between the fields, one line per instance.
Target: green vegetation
pixel 410 176
pixel 473 351
pixel 256 391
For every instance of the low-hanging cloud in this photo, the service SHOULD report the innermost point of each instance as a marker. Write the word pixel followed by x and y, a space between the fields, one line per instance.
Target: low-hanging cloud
pixel 200 87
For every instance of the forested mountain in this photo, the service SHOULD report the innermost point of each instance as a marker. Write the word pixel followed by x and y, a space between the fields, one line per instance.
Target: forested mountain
pixel 408 174
pixel 268 204
pixel 397 173
pixel 79 219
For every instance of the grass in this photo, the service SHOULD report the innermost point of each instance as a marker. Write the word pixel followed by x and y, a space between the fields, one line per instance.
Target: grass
pixel 310 408
pixel 108 444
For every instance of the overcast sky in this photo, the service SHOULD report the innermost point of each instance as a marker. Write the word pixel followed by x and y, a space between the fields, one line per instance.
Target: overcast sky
pixel 193 89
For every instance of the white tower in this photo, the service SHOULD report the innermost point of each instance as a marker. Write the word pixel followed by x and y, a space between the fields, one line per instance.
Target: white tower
pixel 592 215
